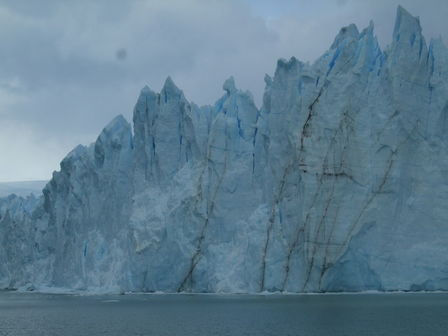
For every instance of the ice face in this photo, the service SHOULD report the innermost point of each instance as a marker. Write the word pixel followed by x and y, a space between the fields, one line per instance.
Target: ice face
pixel 338 183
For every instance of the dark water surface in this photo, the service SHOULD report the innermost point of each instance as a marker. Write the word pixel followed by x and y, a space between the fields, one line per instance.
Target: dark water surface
pixel 206 315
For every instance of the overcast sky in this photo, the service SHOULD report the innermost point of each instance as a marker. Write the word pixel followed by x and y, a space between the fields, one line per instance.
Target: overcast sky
pixel 69 67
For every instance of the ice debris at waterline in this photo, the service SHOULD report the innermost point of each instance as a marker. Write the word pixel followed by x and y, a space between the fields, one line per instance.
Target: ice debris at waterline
pixel 338 183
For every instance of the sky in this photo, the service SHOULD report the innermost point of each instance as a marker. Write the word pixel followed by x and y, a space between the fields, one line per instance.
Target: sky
pixel 68 67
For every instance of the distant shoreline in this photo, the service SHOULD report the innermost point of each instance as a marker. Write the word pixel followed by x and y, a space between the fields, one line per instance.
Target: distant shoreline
pixel 22 188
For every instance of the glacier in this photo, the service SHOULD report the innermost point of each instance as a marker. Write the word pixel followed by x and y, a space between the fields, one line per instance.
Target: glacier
pixel 339 182
pixel 22 188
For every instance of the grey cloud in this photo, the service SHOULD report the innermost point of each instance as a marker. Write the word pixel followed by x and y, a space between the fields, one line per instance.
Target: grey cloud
pixel 68 67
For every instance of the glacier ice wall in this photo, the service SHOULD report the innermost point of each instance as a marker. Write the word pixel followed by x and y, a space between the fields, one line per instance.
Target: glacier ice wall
pixel 338 183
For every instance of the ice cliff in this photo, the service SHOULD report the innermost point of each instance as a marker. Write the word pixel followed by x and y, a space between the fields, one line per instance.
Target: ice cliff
pixel 338 183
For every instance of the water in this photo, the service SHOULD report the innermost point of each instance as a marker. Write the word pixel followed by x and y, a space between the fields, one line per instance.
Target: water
pixel 207 315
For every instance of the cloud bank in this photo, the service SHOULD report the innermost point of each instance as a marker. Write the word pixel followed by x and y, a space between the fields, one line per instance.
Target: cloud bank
pixel 68 67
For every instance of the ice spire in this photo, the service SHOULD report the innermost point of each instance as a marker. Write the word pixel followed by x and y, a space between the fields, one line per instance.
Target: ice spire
pixel 406 26
pixel 229 85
